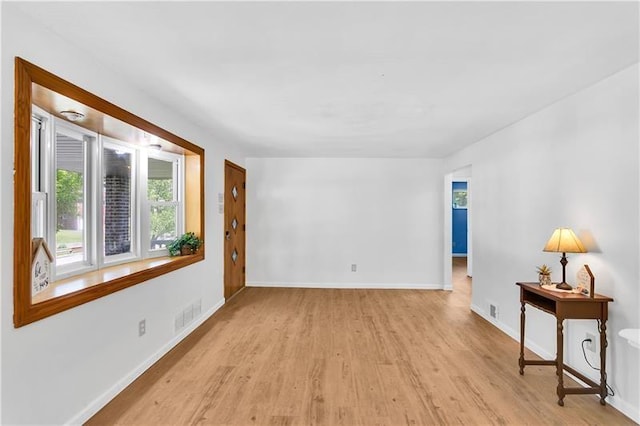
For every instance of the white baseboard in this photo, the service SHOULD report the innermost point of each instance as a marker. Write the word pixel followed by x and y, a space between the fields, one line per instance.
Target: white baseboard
pixel 633 412
pixel 376 286
pixel 97 404
pixel 624 407
pixel 515 335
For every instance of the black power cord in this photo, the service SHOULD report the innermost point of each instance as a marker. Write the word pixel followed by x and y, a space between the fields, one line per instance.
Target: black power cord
pixel 610 391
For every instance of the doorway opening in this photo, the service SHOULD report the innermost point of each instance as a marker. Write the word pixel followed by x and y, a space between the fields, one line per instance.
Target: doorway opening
pixel 458 248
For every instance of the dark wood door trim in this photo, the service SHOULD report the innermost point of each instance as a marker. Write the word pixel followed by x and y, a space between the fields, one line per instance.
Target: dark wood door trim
pixel 235 166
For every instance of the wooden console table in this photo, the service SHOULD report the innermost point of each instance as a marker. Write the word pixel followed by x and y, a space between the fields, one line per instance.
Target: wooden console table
pixel 567 306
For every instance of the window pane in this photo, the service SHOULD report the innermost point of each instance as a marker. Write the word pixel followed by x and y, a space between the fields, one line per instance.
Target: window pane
pixel 69 200
pixel 161 192
pixel 160 184
pixel 459 198
pixel 117 202
pixel 163 226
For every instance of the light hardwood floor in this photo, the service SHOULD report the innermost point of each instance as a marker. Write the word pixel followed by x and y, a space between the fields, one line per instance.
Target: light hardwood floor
pixel 275 356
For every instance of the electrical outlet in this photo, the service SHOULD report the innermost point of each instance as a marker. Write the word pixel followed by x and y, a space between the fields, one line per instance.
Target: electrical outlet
pixel 590 346
pixel 142 327
pixel 354 267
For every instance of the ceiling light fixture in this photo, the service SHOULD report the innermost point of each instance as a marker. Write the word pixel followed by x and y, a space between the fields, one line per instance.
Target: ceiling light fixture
pixel 72 115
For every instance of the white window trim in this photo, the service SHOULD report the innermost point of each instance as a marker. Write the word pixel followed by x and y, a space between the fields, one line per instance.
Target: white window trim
pixel 134 253
pixel 89 263
pixel 178 191
pixel 39 173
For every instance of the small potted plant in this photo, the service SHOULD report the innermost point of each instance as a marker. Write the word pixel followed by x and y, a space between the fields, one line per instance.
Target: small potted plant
pixel 187 243
pixel 544 275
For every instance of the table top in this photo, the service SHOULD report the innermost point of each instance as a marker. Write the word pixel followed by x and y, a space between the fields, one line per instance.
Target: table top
pixel 562 296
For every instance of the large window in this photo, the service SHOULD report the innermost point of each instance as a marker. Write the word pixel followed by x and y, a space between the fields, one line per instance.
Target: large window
pixel 99 193
pixel 92 206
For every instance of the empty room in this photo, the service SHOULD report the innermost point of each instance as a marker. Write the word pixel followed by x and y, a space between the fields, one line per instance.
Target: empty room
pixel 319 213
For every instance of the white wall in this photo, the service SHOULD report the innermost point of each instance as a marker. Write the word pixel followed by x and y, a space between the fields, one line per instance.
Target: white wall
pixel 308 220
pixel 65 367
pixel 575 164
pixel 3 237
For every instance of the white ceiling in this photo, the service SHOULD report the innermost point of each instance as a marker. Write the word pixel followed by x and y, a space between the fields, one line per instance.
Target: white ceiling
pixel 353 79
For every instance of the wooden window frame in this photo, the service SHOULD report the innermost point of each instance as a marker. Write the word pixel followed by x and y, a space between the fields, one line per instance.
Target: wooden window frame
pixel 25 311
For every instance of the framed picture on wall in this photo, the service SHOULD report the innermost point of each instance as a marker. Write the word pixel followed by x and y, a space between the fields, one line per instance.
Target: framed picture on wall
pixel 459 198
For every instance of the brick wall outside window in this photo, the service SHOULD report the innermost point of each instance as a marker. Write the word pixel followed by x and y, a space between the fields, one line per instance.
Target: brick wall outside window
pixel 117 215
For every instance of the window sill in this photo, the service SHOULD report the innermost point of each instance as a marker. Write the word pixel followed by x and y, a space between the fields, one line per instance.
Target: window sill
pixel 67 293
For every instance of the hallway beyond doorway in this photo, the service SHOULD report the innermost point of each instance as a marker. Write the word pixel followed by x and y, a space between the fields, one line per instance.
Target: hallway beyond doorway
pixel 461 281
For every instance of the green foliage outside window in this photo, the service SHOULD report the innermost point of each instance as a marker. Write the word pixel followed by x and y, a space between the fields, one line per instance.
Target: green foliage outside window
pixel 163 218
pixel 459 198
pixel 68 195
pixel 160 190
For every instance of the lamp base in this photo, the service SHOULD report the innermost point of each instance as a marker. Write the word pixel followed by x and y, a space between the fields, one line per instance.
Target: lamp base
pixel 564 286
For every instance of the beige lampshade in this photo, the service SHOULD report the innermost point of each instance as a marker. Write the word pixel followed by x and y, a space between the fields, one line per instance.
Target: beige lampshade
pixel 564 240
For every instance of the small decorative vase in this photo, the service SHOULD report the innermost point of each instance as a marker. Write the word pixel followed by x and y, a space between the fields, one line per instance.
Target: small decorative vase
pixel 186 250
pixel 544 279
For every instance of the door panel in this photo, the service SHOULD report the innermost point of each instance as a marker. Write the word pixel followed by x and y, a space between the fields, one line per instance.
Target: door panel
pixel 234 228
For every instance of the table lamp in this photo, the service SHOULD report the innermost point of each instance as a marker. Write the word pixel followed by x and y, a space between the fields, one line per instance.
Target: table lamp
pixel 564 241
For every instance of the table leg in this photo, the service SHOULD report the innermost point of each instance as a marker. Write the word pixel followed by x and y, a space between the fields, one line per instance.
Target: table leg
pixel 560 363
pixel 602 328
pixel 521 360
